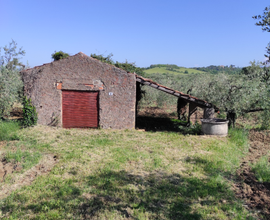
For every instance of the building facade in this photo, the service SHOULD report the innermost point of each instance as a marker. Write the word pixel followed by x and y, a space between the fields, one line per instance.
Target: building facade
pixel 80 91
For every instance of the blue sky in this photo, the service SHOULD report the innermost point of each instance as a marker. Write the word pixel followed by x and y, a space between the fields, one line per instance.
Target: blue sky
pixel 190 33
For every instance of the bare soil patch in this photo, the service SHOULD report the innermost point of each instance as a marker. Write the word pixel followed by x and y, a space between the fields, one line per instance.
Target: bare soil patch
pixel 255 194
pixel 8 168
pixel 19 180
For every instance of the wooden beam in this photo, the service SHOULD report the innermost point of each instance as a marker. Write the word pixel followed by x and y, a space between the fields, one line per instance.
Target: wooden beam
pixel 199 103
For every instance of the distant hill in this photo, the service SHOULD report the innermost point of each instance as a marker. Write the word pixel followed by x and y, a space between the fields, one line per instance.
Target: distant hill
pixel 170 68
pixel 174 69
pixel 218 69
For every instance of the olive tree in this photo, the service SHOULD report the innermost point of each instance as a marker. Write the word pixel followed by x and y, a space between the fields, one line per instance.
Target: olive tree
pixel 264 22
pixel 11 84
pixel 237 94
pixel 11 56
pixel 11 87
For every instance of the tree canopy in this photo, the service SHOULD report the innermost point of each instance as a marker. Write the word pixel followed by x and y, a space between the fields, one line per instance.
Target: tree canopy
pixel 11 84
pixel 11 56
pixel 264 22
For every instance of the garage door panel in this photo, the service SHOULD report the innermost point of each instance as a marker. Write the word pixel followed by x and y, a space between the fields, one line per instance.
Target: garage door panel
pixel 80 109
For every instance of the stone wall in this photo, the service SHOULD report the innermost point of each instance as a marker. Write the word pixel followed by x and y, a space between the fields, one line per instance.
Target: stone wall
pixel 117 89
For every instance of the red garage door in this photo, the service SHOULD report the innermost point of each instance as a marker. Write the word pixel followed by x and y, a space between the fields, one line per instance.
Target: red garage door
pixel 80 109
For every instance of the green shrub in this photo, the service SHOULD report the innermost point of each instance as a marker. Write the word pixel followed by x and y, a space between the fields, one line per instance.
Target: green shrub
pixel 59 55
pixel 262 169
pixel 29 113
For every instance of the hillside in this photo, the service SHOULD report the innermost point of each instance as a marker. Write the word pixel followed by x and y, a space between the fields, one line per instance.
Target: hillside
pixel 172 69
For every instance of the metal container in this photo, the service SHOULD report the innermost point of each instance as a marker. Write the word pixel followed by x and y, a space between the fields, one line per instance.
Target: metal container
pixel 215 126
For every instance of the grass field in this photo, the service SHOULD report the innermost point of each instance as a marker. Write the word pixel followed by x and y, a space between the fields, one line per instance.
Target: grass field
pixel 180 70
pixel 121 174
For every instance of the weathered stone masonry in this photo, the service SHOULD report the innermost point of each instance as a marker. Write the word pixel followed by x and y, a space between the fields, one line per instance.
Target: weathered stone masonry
pixel 117 89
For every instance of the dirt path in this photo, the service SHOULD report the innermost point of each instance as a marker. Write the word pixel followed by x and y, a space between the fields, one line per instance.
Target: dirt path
pixel 43 167
pixel 255 194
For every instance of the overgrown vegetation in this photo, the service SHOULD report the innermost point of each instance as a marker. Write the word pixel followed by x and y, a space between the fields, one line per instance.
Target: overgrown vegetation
pixel 241 93
pixel 29 113
pixel 231 70
pixel 59 55
pixel 169 69
pixel 262 169
pixel 264 22
pixel 134 174
pixel 10 80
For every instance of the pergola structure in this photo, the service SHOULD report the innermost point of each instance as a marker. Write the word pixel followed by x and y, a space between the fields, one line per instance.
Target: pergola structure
pixel 209 109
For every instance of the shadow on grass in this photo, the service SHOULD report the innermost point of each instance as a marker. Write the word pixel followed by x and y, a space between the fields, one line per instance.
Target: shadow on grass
pixel 154 124
pixel 119 193
pixel 160 195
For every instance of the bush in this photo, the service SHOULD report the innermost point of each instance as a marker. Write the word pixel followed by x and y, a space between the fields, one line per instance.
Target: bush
pixel 59 55
pixel 29 113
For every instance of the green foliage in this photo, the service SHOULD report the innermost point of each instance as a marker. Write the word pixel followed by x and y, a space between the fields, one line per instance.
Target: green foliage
pixel 11 84
pixel 256 70
pixel 168 66
pixel 59 55
pixel 264 19
pixel 262 169
pixel 241 93
pixel 108 59
pixel 231 92
pixel 264 22
pixel 11 87
pixel 172 68
pixel 262 74
pixel 130 67
pixel 10 59
pixel 8 130
pixel 231 70
pixel 228 92
pixel 169 69
pixel 29 113
pixel 265 120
